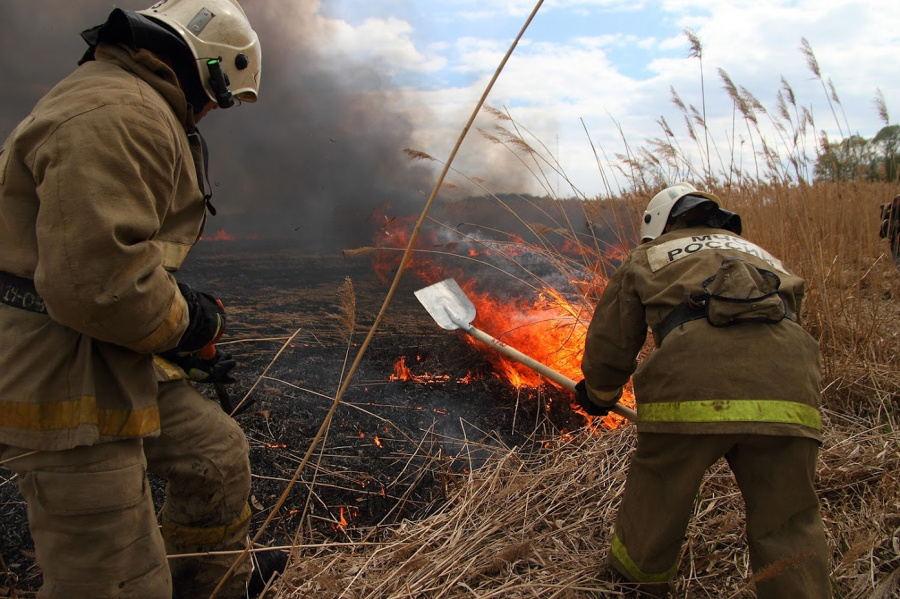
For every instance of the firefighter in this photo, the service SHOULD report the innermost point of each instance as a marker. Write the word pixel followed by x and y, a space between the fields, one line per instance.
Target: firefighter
pixel 733 375
pixel 102 195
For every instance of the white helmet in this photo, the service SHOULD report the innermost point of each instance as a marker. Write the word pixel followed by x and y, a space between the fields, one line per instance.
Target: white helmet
pixel 226 48
pixel 660 208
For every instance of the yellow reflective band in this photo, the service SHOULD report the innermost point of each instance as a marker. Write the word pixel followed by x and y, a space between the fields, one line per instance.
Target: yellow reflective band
pixel 638 575
pixel 169 371
pixel 731 410
pixel 70 414
pixel 197 537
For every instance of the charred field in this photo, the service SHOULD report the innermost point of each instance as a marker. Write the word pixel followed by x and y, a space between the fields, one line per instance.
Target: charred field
pixel 394 447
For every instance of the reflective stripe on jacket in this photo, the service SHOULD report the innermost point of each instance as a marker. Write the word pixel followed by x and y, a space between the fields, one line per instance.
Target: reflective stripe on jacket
pixel 757 378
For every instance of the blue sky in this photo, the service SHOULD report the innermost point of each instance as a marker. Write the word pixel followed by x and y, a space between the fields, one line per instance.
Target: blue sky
pixel 440 26
pixel 606 64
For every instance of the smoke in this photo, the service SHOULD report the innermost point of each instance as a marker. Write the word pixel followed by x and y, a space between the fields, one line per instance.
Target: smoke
pixel 311 162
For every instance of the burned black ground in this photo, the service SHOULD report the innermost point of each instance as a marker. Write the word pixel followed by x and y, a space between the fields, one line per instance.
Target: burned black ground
pixel 428 433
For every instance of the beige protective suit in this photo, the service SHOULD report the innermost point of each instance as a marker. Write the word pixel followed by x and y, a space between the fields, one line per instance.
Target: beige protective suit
pixel 100 200
pixel 748 391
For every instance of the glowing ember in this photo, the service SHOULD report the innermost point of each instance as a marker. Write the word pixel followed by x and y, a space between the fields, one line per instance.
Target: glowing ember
pixel 402 372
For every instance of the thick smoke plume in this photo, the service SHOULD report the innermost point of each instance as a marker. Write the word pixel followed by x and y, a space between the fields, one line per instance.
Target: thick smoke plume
pixel 311 163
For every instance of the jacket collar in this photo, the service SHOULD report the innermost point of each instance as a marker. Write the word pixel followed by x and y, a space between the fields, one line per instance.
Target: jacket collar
pixel 156 73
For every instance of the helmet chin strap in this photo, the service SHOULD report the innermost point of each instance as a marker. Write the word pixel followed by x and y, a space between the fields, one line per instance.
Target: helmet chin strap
pixel 204 150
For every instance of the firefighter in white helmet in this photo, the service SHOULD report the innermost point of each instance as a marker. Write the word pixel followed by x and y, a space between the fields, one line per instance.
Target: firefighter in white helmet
pixel 733 375
pixel 102 194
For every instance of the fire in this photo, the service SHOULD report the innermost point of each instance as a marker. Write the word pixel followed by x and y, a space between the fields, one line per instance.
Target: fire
pixel 548 326
pixel 341 523
pixel 378 441
pixel 611 421
pixel 402 372
pixel 549 329
pixel 220 235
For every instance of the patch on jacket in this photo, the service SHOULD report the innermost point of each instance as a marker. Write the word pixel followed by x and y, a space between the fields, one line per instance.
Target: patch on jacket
pixel 664 254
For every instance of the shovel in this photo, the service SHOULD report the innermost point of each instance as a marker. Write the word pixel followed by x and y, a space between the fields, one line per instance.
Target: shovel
pixel 451 308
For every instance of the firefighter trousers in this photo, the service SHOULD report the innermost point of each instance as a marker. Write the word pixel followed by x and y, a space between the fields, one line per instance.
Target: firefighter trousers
pixel 775 474
pixel 92 517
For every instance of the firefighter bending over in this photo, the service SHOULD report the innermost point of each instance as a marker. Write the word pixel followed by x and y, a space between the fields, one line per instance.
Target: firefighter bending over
pixel 733 375
pixel 102 194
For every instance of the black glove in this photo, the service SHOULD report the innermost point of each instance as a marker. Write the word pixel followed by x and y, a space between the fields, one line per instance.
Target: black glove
pixel 214 370
pixel 207 320
pixel 582 399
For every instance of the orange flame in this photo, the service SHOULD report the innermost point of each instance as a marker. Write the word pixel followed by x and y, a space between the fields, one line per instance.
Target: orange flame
pixel 220 235
pixel 402 372
pixel 548 327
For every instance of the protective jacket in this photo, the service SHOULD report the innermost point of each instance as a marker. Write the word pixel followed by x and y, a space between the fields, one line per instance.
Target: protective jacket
pixel 757 376
pixel 100 199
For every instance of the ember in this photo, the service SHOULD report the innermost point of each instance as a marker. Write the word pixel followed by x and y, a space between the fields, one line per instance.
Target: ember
pixel 402 372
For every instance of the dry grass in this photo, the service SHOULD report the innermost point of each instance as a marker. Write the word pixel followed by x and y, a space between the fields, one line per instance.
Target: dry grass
pixel 536 522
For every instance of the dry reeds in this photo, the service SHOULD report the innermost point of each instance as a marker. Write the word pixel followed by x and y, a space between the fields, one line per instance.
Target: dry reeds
pixel 536 521
pixel 532 523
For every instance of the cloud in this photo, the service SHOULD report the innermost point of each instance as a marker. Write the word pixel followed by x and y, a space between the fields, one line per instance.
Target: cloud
pixel 624 77
pixel 377 82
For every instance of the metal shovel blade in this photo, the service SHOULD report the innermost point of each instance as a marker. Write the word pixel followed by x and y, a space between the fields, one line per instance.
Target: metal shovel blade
pixel 447 304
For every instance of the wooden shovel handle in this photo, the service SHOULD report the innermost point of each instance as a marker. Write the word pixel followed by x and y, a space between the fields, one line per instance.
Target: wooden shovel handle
pixel 543 369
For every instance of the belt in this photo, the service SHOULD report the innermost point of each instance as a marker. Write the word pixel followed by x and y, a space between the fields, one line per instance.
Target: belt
pixel 694 308
pixel 19 292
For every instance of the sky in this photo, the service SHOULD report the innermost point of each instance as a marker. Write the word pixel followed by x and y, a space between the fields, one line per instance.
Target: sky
pixel 347 85
pixel 604 70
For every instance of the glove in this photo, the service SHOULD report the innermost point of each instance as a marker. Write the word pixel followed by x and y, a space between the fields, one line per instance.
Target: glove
pixel 582 399
pixel 206 320
pixel 214 370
